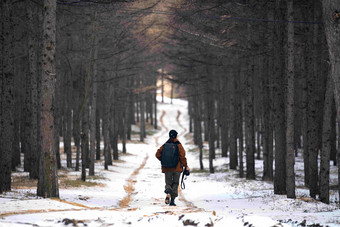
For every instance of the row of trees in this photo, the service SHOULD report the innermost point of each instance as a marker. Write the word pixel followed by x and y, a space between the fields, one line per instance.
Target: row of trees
pixel 258 74
pixel 73 71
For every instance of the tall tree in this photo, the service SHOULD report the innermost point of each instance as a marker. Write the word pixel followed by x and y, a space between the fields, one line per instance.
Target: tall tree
pixel 314 123
pixel 233 121
pixel 48 178
pixel 326 143
pixel 250 123
pixel 331 18
pixel 33 76
pixel 279 107
pixel 93 64
pixel 290 103
pixel 6 96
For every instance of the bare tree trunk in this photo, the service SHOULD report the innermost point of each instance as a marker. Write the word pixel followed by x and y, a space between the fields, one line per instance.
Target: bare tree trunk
pixel 224 117
pixel 333 132
pixel 233 121
pixel 48 178
pixel 331 19
pixel 162 75
pixel 279 107
pixel 107 148
pixel 68 122
pixel 305 118
pixel 16 159
pixel 250 154
pixel 326 142
pixel 142 117
pixel 267 121
pixel 123 129
pixel 190 103
pixel 313 117
pixel 290 181
pixel 155 108
pixel 27 115
pixel 98 137
pixel 6 96
pixel 31 82
pixel 76 136
pixel 211 122
pixel 240 114
pixel 106 135
pixel 93 98
pixel 258 137
pixel 197 124
pixel 57 114
pixel 172 91
pixel 84 139
pixel 76 126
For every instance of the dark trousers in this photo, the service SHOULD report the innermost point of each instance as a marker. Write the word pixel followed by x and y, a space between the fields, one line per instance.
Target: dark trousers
pixel 171 183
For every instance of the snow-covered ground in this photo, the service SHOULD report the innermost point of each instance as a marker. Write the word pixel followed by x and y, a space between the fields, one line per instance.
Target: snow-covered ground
pixel 131 193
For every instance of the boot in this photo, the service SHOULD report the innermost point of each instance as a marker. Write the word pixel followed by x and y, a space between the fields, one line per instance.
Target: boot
pixel 167 198
pixel 172 202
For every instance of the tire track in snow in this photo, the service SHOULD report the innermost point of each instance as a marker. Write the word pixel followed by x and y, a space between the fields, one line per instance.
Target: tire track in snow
pixel 124 203
pixel 129 187
pixel 190 206
pixel 162 123
pixel 179 123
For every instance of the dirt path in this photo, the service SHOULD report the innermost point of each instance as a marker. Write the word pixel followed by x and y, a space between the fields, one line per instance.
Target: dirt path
pixel 166 129
pixel 129 202
pixel 190 206
pixel 129 187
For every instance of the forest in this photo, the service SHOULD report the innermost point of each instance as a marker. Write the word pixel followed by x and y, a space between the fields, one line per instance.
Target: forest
pixel 261 79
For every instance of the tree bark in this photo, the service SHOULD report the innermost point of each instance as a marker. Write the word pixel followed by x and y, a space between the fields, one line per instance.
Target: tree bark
pixel 240 121
pixel 68 122
pixel 305 117
pixel 6 97
pixel 76 126
pixel 155 109
pixel 142 118
pixel 224 115
pixel 210 122
pixel 333 132
pixel 326 142
pixel 267 125
pixel 106 135
pixel 233 121
pixel 197 123
pixel 290 162
pixel 48 178
pixel 84 139
pixel 98 135
pixel 33 71
pixel 331 20
pixel 313 116
pixel 250 126
pixel 279 107
pixel 93 61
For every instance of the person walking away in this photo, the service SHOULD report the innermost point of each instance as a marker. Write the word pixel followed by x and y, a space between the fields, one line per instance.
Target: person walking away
pixel 173 160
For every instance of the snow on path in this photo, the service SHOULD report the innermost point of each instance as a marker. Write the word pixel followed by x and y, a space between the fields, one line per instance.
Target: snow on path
pixel 134 193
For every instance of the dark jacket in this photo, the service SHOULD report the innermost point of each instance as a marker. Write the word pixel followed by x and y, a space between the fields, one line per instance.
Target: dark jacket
pixel 182 159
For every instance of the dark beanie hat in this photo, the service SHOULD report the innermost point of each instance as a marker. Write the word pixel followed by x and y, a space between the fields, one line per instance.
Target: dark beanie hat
pixel 173 133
